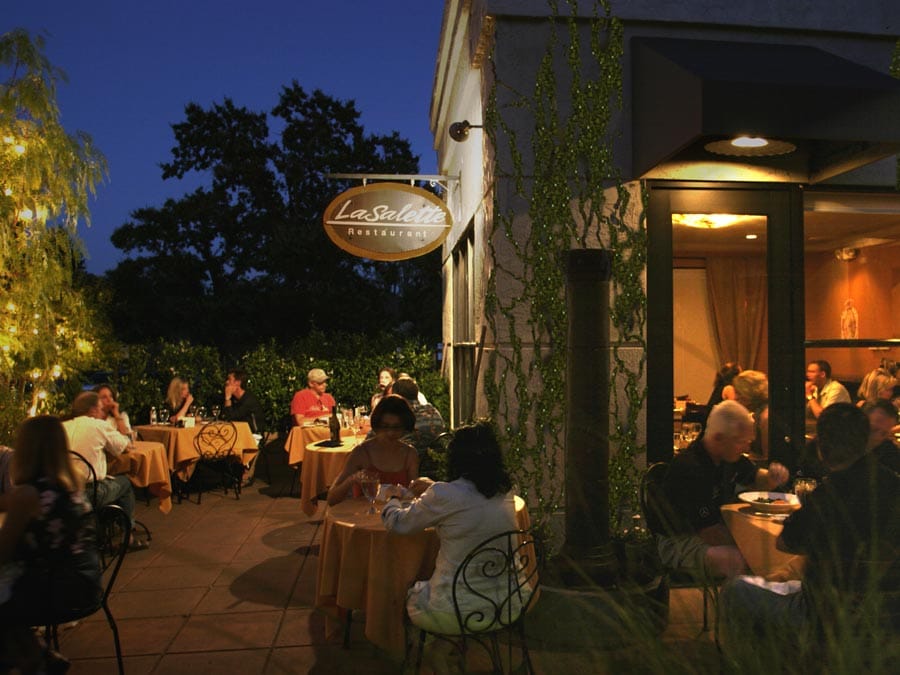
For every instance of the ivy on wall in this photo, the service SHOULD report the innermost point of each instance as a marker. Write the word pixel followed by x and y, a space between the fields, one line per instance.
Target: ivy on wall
pixel 568 205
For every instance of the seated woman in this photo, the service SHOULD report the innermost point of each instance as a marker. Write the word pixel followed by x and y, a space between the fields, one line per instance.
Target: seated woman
pixel 877 385
pixel 724 378
pixel 475 505
pixel 750 388
pixel 383 453
pixel 386 377
pixel 179 399
pixel 47 525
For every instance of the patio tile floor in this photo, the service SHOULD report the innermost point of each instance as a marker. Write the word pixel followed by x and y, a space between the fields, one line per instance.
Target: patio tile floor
pixel 228 586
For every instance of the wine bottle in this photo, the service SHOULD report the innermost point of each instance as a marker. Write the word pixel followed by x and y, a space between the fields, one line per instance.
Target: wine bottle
pixel 334 426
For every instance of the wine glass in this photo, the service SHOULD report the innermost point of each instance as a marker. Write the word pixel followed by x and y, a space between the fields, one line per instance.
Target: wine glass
pixel 368 483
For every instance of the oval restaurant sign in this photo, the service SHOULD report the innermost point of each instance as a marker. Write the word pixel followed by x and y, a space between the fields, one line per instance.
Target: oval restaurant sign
pixel 387 221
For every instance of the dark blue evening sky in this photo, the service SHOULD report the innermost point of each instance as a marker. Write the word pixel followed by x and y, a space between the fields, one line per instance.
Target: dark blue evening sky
pixel 132 66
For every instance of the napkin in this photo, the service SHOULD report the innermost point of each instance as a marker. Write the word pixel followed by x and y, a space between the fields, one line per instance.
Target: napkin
pixel 382 493
pixel 779 587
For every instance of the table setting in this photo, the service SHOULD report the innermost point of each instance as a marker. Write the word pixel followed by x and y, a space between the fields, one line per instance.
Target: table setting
pixel 756 521
pixel 179 443
pixel 364 567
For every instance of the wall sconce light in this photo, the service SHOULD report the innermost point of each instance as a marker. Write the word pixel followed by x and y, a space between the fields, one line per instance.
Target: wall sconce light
pixel 459 131
pixel 846 254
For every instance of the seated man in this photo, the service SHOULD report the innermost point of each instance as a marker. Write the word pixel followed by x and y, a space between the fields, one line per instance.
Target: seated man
pixel 702 478
pixel 91 436
pixel 821 390
pixel 849 531
pixel 882 420
pixel 242 406
pixel 429 423
pixel 313 402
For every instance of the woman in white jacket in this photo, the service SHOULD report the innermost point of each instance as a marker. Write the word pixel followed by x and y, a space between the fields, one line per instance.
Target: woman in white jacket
pixel 473 506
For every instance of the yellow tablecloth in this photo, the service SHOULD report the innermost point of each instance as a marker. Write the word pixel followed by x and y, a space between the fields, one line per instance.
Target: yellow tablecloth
pixel 755 538
pixel 151 470
pixel 363 567
pixel 300 437
pixel 321 466
pixel 179 444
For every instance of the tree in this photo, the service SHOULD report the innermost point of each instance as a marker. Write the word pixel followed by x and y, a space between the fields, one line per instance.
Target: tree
pixel 47 329
pixel 244 258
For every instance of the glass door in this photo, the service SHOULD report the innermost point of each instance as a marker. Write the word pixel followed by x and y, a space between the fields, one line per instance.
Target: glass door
pixel 724 289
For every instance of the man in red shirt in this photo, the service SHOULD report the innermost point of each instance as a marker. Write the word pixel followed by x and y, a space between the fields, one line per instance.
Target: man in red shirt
pixel 311 403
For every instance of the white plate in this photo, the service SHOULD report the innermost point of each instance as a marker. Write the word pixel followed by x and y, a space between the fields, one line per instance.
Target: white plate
pixel 791 501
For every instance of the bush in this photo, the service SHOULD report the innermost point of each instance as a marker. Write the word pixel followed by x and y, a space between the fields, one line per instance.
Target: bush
pixel 352 361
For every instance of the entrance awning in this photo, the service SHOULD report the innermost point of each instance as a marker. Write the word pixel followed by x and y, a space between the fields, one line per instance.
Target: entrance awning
pixel 687 94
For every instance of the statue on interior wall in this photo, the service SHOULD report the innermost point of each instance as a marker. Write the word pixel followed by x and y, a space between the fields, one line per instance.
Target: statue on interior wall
pixel 849 321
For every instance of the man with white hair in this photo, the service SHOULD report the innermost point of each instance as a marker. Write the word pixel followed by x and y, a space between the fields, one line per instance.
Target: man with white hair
pixel 702 478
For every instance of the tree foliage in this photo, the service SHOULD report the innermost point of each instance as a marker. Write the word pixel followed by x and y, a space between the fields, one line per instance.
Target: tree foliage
pixel 244 258
pixel 48 329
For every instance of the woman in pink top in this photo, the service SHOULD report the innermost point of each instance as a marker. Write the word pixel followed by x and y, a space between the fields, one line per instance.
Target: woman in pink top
pixel 385 454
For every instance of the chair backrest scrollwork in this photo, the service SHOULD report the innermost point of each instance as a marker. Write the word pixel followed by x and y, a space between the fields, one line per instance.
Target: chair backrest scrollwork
pixel 216 440
pixel 495 584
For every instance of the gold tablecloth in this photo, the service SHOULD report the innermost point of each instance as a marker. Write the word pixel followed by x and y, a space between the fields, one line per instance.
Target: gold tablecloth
pixel 300 437
pixel 755 538
pixel 151 470
pixel 179 444
pixel 363 567
pixel 321 466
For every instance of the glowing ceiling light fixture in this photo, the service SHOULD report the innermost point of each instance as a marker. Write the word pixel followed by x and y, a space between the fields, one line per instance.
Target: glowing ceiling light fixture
pixel 749 142
pixel 750 146
pixel 750 236
pixel 708 221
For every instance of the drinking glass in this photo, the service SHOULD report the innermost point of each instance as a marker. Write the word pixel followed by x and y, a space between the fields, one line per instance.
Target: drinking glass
pixel 215 412
pixel 677 442
pixel 368 483
pixel 802 488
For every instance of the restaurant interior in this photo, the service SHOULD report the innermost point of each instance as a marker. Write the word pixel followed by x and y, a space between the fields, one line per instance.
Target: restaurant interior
pixel 850 282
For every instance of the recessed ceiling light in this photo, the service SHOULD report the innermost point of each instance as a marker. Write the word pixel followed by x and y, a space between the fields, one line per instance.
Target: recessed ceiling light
pixel 749 142
pixel 750 146
pixel 750 236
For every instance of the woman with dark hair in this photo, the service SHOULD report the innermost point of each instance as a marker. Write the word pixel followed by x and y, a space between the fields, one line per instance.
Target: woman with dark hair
pixel 386 377
pixel 476 504
pixel 724 378
pixel 47 524
pixel 384 453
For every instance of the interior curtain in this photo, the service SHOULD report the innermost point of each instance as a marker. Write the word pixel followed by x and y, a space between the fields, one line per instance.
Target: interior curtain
pixel 737 290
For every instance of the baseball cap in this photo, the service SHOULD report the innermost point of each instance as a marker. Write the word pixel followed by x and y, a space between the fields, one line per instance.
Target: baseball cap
pixel 316 375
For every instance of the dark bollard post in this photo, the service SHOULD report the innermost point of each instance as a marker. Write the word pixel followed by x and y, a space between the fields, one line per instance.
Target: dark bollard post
pixel 587 557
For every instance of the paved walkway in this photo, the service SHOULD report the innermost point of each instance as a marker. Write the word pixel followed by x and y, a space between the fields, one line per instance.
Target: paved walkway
pixel 228 586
